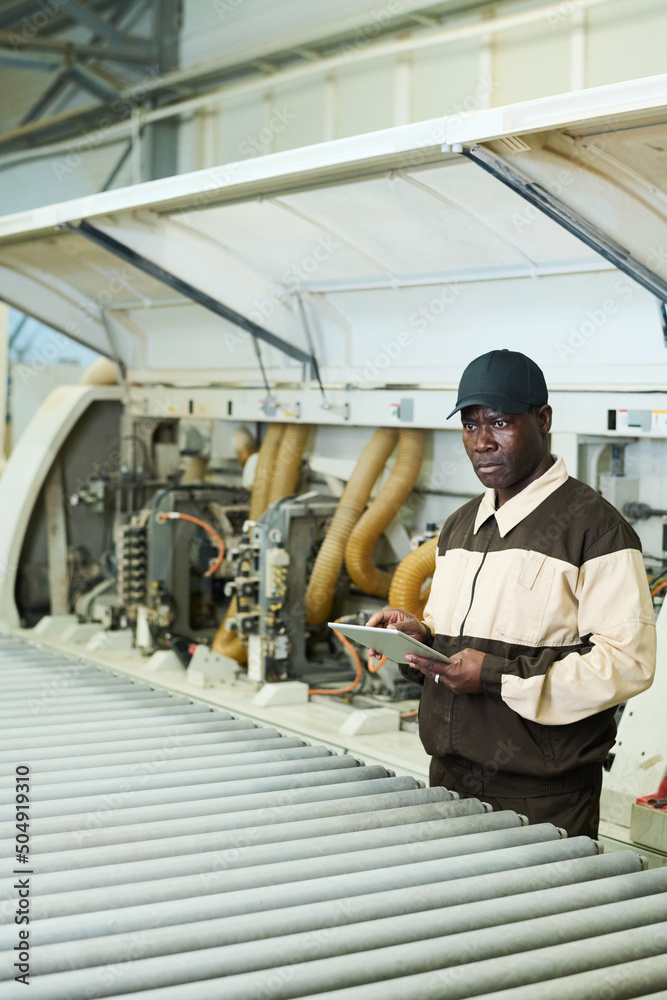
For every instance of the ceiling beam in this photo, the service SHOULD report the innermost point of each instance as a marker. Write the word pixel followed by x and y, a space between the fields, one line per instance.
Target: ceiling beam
pixel 58 16
pixel 18 59
pixel 86 15
pixel 189 291
pixel 96 82
pixel 134 50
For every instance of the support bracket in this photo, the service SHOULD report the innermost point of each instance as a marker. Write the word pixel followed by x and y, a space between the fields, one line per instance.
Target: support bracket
pixel 566 217
pixel 189 291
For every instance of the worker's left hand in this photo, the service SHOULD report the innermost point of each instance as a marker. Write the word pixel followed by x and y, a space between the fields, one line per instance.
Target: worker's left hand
pixel 463 675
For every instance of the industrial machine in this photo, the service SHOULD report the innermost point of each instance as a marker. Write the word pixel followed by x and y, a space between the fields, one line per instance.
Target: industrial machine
pixel 225 493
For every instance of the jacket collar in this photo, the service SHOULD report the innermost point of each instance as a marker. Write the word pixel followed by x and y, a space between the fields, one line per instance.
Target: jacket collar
pixel 524 503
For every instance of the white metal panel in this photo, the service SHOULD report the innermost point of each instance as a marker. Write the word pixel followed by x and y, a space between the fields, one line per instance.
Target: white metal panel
pixel 26 471
pixel 623 47
pixel 243 28
pixel 335 221
pixel 365 97
pixel 533 61
pixel 82 169
pixel 449 79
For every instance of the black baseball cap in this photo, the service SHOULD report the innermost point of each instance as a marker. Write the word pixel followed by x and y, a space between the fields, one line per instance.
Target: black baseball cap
pixel 506 380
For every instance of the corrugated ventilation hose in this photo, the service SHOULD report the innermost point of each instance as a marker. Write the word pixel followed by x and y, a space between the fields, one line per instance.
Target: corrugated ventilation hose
pixel 288 461
pixel 244 444
pixel 371 462
pixel 196 468
pixel 407 589
pixel 259 498
pixel 383 510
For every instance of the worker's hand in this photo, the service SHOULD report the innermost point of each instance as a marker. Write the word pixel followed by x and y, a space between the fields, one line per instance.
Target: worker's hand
pixel 402 621
pixel 463 675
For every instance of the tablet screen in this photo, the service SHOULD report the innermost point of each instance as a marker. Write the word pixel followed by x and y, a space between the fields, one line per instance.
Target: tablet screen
pixel 392 644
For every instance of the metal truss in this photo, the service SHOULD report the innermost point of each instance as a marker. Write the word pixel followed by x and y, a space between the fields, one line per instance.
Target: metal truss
pixel 111 61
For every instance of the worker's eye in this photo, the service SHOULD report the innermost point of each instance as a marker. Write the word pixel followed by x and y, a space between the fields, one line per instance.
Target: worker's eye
pixel 468 427
pixel 500 423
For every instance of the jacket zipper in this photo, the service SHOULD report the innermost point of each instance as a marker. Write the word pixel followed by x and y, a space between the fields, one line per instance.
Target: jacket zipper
pixel 463 624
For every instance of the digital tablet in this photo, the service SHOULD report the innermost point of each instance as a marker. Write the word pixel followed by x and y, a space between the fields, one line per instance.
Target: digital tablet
pixel 388 641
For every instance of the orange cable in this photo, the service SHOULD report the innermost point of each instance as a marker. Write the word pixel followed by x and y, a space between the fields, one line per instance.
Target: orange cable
pixel 406 715
pixel 374 670
pixel 173 515
pixel 659 588
pixel 357 680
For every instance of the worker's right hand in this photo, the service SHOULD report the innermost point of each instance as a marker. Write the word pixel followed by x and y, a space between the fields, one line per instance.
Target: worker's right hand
pixel 402 621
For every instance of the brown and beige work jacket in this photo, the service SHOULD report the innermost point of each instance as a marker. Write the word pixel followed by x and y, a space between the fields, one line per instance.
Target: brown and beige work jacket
pixel 552 588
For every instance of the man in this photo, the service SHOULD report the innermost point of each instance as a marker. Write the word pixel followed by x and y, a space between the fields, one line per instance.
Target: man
pixel 539 596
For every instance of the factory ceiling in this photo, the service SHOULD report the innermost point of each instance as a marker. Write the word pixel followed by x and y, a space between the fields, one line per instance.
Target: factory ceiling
pixel 275 244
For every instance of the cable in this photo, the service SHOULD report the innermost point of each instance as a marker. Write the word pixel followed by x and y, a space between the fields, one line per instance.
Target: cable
pixel 408 715
pixel 374 670
pixel 357 680
pixel 660 587
pixel 173 515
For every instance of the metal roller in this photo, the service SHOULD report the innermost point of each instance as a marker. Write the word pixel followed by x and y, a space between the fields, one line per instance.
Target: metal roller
pixel 275 833
pixel 180 852
pixel 93 706
pixel 308 978
pixel 616 983
pixel 292 790
pixel 213 770
pixel 373 954
pixel 137 752
pixel 431 915
pixel 80 732
pixel 53 723
pixel 269 816
pixel 174 759
pixel 273 777
pixel 493 976
pixel 267 897
pixel 238 851
pixel 221 877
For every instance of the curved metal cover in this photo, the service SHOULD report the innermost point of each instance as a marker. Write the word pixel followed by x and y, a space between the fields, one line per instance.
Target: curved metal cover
pixel 396 210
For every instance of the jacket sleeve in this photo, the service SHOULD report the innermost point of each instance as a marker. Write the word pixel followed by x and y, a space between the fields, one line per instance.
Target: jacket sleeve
pixel 615 661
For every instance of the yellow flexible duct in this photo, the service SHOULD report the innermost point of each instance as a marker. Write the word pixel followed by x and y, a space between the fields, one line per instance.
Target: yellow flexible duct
pixel 259 498
pixel 383 510
pixel 196 468
pixel 229 643
pixel 407 591
pixel 244 444
pixel 288 461
pixel 371 462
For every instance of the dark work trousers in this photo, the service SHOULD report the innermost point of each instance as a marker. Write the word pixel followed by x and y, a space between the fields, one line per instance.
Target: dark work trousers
pixel 577 812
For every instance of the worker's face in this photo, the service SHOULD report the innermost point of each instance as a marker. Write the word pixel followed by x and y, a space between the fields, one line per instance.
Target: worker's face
pixel 505 448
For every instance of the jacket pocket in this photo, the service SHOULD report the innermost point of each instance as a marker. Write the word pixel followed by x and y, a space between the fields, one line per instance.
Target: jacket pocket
pixel 527 591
